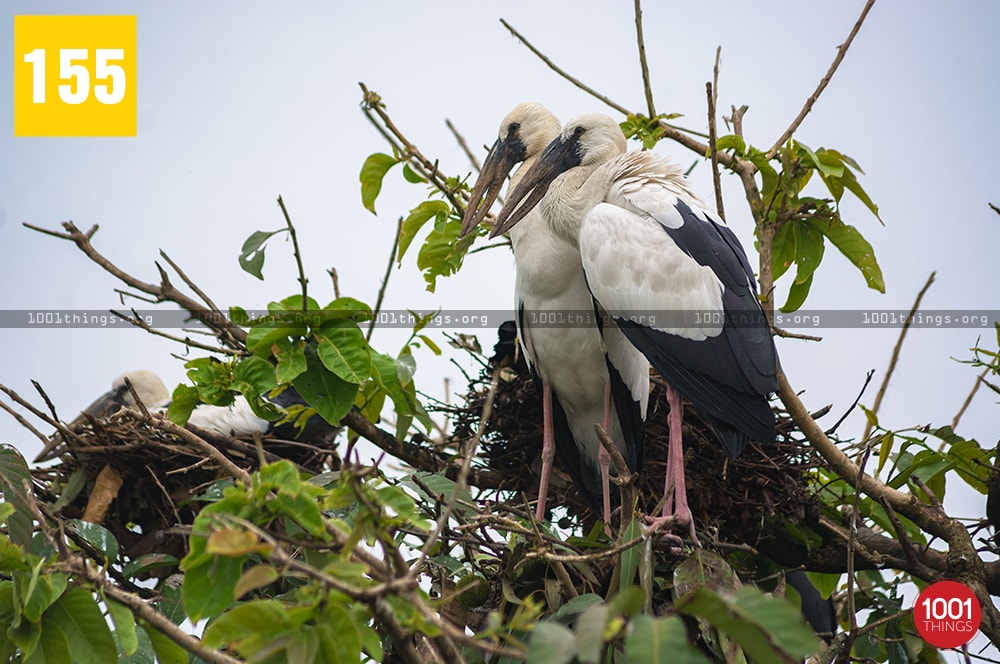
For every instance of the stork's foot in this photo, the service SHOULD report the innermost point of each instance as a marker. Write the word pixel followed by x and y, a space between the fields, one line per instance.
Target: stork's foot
pixel 679 520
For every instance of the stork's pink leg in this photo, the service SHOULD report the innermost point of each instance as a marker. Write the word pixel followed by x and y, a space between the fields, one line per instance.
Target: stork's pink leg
pixel 548 450
pixel 674 486
pixel 604 458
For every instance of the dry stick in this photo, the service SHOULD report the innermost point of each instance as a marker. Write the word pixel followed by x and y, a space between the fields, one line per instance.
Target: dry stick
pixel 980 379
pixel 296 252
pixel 415 455
pixel 25 423
pixel 186 341
pixel 895 354
pixel 841 52
pixel 851 543
pixel 461 482
pixel 232 335
pixel 385 279
pixel 187 280
pixel 464 146
pixel 196 441
pixel 712 90
pixel 642 60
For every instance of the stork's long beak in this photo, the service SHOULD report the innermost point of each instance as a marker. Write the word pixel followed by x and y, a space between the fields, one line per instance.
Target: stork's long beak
pixel 559 156
pixel 504 154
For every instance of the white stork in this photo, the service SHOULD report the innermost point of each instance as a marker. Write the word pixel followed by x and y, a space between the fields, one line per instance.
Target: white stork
pixel 237 419
pixel 673 277
pixel 580 373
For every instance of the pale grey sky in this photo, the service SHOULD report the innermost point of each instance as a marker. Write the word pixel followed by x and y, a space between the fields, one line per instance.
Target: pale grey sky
pixel 242 101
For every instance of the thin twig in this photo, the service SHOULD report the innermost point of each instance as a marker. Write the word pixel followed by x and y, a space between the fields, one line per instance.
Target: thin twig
pixel 642 60
pixel 137 321
pixel 461 481
pixel 200 443
pixel 464 146
pixel 841 52
pixel 298 254
pixel 385 279
pixel 229 333
pixel 554 67
pixel 965 404
pixel 25 423
pixel 712 90
pixel 191 284
pixel 895 354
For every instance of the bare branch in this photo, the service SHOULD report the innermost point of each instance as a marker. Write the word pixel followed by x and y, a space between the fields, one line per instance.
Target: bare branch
pixel 463 145
pixel 385 280
pixel 712 90
pixel 841 52
pixel 895 354
pixel 554 67
pixel 295 250
pixel 642 60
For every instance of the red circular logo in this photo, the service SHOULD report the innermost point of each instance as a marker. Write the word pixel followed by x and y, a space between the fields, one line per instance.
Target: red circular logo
pixel 947 614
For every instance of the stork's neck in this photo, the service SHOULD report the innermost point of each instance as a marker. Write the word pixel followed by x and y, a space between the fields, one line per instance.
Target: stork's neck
pixel 525 227
pixel 572 195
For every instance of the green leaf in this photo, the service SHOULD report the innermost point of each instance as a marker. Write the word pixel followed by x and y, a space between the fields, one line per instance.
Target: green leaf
pixel 884 450
pixel 256 577
pixel 551 643
pixel 52 647
pixel 15 486
pixel 246 621
pixel 208 587
pixel 124 625
pixel 420 215
pixel 148 562
pixel 797 294
pixel 442 252
pixel 252 254
pixel 590 628
pixel 372 173
pixel 329 394
pixel 704 569
pixel 182 403
pixel 39 592
pixel 411 175
pixel 76 613
pixel 291 359
pixel 631 556
pixel 339 634
pixel 440 487
pixel 854 247
pixel 98 537
pixel 167 652
pixel 731 142
pixel 825 583
pixel 660 640
pixel 767 628
pixel 344 350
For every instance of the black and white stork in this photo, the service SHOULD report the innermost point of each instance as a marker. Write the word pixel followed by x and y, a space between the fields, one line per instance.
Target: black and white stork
pixel 673 277
pixel 581 371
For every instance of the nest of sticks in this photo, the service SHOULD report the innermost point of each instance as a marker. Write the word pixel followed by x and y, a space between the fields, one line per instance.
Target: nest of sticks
pixel 141 480
pixel 730 499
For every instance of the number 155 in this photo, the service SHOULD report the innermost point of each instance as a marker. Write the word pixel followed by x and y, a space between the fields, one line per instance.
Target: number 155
pixel 72 69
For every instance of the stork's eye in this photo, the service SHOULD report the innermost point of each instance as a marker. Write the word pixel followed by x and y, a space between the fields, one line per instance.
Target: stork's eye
pixel 579 131
pixel 514 126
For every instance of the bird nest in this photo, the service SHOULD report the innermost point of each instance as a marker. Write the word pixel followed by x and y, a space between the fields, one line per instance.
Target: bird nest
pixel 734 497
pixel 142 482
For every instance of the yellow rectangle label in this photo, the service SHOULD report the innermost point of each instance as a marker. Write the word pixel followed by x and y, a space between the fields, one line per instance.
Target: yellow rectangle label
pixel 75 76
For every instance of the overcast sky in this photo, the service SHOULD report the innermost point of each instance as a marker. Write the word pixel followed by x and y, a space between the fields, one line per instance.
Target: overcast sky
pixel 239 102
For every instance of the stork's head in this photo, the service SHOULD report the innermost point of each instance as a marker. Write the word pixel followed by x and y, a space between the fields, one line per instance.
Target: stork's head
pixel 588 140
pixel 524 133
pixel 146 384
